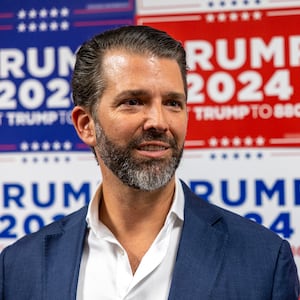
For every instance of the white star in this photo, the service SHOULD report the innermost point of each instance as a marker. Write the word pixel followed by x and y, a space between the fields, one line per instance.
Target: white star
pixel 222 17
pixel 21 27
pixel 213 142
pixel 64 25
pixel 248 141
pixel 245 16
pixel 64 12
pixel 236 141
pixel 257 15
pixel 210 18
pixel 24 146
pixel 260 141
pixel 35 146
pixel 21 14
pixel 225 141
pixel 56 146
pixel 53 26
pixel 43 13
pixel 43 26
pixel 233 17
pixel 32 27
pixel 32 14
pixel 46 146
pixel 67 145
pixel 53 12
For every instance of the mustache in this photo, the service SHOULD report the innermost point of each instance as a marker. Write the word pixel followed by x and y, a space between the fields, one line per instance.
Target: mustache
pixel 153 135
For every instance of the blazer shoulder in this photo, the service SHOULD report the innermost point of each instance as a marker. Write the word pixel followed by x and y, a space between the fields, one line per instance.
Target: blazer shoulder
pixel 237 226
pixel 234 254
pixel 31 242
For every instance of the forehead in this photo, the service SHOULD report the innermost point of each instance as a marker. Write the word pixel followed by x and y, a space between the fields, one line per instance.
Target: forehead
pixel 121 67
pixel 124 58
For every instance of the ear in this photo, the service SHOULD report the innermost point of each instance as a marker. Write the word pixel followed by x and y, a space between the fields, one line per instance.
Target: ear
pixel 84 125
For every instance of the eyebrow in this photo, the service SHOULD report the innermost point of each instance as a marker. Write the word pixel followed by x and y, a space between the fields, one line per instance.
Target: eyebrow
pixel 176 96
pixel 132 93
pixel 144 93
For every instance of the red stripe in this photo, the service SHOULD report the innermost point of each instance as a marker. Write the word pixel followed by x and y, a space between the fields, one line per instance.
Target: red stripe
pixel 101 23
pixel 8 147
pixel 6 27
pixel 6 15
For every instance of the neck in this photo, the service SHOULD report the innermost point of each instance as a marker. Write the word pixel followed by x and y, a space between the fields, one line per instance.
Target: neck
pixel 127 209
pixel 135 217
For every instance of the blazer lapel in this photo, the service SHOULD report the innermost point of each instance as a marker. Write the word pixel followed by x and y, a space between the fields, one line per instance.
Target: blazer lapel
pixel 201 250
pixel 63 250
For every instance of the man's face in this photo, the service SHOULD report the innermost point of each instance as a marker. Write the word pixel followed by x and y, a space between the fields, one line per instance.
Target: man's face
pixel 141 119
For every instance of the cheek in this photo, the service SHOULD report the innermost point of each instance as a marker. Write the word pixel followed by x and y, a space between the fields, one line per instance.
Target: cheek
pixel 179 127
pixel 121 132
pixel 181 135
pixel 114 126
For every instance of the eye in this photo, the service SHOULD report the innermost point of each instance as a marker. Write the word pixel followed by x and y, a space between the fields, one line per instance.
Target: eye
pixel 132 102
pixel 174 103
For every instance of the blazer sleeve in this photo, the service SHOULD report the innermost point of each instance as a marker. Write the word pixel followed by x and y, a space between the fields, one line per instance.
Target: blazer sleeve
pixel 286 281
pixel 2 275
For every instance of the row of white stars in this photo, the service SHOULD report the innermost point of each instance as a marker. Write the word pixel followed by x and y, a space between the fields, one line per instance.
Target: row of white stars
pixel 43 26
pixel 43 13
pixel 46 146
pixel 236 141
pixel 46 159
pixel 236 155
pixel 233 3
pixel 233 16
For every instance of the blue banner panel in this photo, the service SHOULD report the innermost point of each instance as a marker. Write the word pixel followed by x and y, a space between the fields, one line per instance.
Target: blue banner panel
pixel 38 40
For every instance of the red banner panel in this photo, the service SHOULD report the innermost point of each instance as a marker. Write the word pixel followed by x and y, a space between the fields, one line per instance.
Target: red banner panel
pixel 244 76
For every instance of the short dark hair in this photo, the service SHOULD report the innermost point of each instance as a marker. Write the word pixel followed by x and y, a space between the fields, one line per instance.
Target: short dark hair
pixel 88 82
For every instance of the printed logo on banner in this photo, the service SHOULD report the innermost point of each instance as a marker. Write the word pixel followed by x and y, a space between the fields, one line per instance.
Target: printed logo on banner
pixel 39 41
pixel 243 74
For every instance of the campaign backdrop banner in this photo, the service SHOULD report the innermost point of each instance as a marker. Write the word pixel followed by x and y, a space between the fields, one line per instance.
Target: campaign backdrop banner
pixel 46 171
pixel 243 144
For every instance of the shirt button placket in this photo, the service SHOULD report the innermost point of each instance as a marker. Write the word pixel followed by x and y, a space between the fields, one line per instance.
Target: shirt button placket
pixel 124 277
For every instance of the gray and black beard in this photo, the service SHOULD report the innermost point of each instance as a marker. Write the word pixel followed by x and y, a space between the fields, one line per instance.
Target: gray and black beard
pixel 143 174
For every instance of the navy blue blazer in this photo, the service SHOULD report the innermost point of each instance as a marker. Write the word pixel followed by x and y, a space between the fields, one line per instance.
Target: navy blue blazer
pixel 221 256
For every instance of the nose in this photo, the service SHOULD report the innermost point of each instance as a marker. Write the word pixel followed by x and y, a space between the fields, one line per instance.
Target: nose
pixel 155 118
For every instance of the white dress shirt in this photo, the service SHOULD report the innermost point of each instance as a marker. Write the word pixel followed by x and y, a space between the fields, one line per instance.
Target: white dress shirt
pixel 105 272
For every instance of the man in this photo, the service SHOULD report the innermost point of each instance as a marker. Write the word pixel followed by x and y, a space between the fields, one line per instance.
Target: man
pixel 144 235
